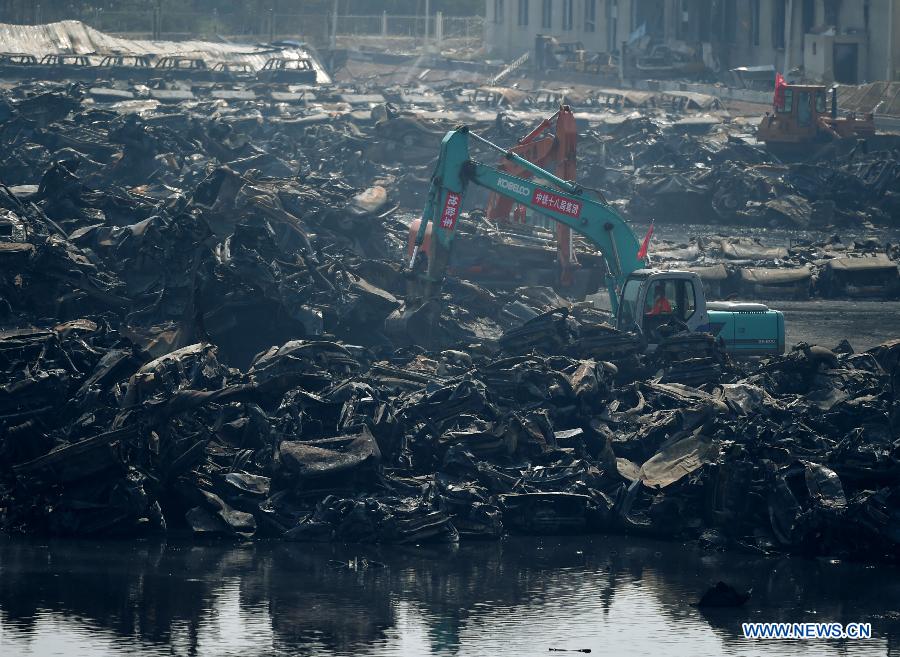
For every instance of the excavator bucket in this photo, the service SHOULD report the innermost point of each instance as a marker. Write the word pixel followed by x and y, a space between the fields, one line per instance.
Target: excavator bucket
pixel 414 323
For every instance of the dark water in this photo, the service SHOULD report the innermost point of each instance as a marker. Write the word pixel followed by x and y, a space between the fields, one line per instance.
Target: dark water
pixel 614 595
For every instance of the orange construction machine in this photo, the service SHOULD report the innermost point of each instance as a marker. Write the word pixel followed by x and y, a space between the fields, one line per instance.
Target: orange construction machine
pixel 802 118
pixel 555 152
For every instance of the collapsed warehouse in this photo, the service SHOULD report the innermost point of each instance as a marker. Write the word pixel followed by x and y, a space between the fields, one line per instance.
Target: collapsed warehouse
pixel 196 278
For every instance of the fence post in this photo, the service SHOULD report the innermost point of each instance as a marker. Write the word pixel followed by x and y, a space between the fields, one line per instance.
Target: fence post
pixel 439 28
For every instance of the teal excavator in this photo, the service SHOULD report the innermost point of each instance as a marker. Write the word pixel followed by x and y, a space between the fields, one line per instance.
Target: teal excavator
pixel 643 299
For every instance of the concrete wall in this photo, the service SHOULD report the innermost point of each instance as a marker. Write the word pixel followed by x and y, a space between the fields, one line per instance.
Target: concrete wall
pixel 743 51
pixel 817 51
pixel 506 38
pixel 894 55
pixel 883 46
pixel 865 22
pixel 819 56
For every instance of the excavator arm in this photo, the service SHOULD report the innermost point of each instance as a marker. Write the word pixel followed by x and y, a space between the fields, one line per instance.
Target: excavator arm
pixel 559 149
pixel 560 200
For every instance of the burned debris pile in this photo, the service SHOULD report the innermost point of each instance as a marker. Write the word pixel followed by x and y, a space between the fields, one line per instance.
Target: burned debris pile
pixel 199 347
pixel 718 177
pixel 318 441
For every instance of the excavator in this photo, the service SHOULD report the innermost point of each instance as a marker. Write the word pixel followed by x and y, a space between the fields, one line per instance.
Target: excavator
pixel 643 299
pixel 545 150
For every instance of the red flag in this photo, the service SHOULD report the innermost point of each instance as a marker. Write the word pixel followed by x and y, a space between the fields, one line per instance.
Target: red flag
pixel 642 253
pixel 780 85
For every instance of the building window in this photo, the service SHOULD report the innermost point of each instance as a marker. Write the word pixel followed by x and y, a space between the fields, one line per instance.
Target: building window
pixel 590 15
pixel 547 14
pixel 808 15
pixel 523 12
pixel 684 21
pixel 704 18
pixel 831 12
pixel 612 15
pixel 729 17
pixel 788 101
pixel 754 22
pixel 498 11
pixel 778 21
pixel 568 14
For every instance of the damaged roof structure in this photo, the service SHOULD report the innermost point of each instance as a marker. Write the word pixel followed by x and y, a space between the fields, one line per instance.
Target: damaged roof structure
pixel 77 38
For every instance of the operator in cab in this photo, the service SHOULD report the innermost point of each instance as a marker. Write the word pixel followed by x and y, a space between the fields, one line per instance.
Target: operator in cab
pixel 661 305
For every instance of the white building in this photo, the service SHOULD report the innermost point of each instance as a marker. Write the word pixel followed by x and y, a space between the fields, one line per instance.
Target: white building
pixel 844 40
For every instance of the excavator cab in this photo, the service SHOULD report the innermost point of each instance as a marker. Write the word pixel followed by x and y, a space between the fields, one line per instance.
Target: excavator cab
pixel 795 115
pixel 801 115
pixel 653 302
pixel 651 299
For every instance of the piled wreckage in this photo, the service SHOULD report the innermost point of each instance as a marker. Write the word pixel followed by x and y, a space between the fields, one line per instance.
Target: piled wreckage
pixel 142 392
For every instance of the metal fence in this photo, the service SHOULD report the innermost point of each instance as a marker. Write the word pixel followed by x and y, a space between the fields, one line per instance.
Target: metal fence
pixel 316 28
pixel 437 28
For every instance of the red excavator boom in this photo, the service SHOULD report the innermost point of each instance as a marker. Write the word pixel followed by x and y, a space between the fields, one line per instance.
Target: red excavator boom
pixel 559 150
pixel 556 151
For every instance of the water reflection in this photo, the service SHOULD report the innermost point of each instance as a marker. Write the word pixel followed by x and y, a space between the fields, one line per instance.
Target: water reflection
pixel 613 595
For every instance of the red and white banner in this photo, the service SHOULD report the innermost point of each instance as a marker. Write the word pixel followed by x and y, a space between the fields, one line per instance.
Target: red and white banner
pixel 451 211
pixel 560 204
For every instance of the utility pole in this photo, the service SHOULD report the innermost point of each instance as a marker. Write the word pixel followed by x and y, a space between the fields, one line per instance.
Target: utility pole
pixel 890 41
pixel 788 32
pixel 273 12
pixel 334 26
pixel 427 16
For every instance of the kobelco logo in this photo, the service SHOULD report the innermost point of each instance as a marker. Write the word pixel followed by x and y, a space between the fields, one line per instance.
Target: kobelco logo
pixel 511 186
